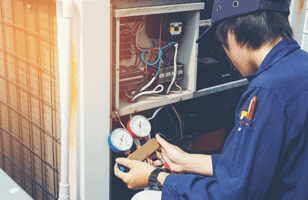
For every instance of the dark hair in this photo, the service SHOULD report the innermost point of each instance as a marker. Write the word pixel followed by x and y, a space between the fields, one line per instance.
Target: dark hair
pixel 255 29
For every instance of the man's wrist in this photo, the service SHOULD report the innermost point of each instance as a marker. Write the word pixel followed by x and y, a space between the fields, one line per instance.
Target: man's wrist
pixel 198 164
pixel 162 176
pixel 186 162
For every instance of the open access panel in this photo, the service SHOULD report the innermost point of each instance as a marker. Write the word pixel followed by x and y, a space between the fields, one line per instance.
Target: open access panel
pixel 144 48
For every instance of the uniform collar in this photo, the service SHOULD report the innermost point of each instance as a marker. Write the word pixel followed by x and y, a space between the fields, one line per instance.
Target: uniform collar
pixel 278 51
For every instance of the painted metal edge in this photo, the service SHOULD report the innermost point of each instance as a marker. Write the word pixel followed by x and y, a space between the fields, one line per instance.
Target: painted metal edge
pixel 220 88
pixel 157 9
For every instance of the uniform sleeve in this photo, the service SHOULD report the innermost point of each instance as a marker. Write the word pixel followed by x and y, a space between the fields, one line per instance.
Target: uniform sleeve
pixel 215 159
pixel 250 156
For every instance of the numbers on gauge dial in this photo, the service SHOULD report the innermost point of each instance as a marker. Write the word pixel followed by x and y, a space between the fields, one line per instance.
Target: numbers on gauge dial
pixel 121 139
pixel 140 126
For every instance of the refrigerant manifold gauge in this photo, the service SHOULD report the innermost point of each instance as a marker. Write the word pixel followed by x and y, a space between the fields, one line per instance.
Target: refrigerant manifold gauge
pixel 139 127
pixel 120 140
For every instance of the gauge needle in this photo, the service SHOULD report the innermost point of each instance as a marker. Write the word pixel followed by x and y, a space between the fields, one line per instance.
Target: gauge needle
pixel 139 128
pixel 121 140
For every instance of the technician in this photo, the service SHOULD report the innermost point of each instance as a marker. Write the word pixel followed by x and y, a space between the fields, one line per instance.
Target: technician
pixel 265 155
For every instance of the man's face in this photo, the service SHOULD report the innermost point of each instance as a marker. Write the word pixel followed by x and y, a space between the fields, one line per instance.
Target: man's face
pixel 239 55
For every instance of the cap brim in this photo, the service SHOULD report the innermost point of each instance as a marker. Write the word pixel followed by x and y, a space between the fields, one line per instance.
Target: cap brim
pixel 207 35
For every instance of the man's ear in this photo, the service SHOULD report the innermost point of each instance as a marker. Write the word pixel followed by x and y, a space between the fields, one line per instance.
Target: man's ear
pixel 224 47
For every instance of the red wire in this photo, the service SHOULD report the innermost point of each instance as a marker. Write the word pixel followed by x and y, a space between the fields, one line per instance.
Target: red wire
pixel 127 69
pixel 168 167
pixel 136 61
pixel 140 50
pixel 135 42
pixel 129 101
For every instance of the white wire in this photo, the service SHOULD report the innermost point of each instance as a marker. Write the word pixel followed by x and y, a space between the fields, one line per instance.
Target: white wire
pixel 175 68
pixel 174 77
pixel 139 30
pixel 154 91
pixel 147 85
pixel 174 73
pixel 155 113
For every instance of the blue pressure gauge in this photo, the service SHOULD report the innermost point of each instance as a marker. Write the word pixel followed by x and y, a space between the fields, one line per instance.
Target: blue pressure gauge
pixel 120 140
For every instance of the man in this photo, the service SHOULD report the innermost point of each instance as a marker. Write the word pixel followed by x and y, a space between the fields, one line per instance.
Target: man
pixel 265 155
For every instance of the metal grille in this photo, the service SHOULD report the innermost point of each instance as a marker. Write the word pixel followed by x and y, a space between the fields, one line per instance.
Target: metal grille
pixel 29 104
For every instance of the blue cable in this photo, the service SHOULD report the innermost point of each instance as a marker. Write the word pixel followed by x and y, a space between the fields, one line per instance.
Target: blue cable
pixel 160 55
pixel 142 56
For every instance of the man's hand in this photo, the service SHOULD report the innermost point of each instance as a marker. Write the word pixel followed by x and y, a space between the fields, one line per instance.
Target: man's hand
pixel 173 155
pixel 180 161
pixel 138 176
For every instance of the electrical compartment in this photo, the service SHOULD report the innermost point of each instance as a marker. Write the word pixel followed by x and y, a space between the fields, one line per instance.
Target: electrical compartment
pixel 154 55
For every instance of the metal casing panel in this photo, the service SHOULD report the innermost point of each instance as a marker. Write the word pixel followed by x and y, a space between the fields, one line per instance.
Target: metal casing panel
pixel 146 3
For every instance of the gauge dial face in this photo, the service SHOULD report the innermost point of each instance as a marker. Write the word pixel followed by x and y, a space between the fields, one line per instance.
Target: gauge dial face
pixel 121 139
pixel 140 126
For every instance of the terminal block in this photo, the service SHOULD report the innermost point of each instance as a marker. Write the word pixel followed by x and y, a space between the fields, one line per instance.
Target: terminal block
pixel 131 78
pixel 167 71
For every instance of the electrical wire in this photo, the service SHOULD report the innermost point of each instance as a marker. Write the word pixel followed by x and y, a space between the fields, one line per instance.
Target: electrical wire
pixel 154 91
pixel 158 70
pixel 126 68
pixel 140 30
pixel 155 113
pixel 135 35
pixel 119 119
pixel 138 48
pixel 121 92
pixel 152 64
pixel 140 85
pixel 160 29
pixel 136 58
pixel 179 91
pixel 135 27
pixel 181 131
pixel 142 49
pixel 126 94
pixel 135 32
pixel 123 125
pixel 175 68
pixel 171 119
pixel 160 53
pixel 183 125
pixel 146 65
pixel 127 24
pixel 181 119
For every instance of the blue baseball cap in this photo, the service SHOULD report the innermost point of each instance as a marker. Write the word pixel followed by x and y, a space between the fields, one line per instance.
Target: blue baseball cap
pixel 224 9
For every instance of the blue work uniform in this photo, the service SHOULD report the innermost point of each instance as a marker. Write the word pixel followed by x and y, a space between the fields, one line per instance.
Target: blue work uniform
pixel 268 159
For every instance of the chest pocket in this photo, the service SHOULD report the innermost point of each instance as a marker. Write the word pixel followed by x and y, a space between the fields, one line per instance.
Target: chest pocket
pixel 237 148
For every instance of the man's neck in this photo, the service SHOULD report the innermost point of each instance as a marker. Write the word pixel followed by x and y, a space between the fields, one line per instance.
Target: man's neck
pixel 257 56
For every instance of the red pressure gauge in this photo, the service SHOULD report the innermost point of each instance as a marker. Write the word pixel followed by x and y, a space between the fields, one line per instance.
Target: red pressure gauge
pixel 139 127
